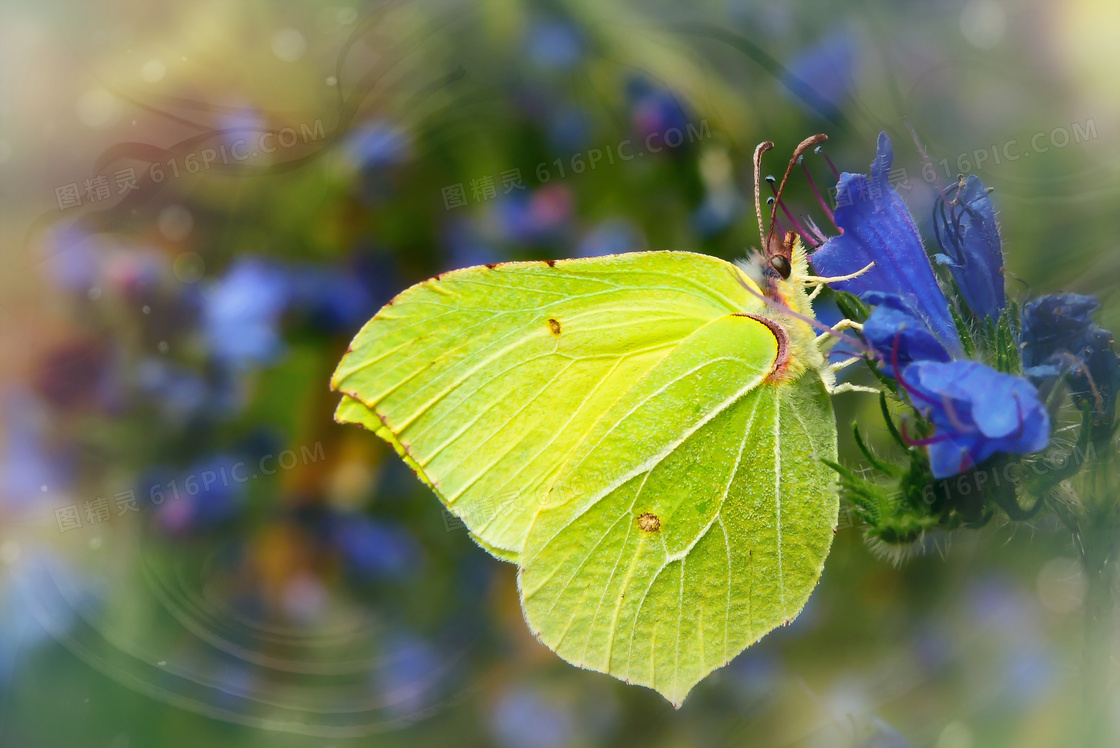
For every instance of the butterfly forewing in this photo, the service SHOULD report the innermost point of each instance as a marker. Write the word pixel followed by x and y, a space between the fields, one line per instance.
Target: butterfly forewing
pixel 488 380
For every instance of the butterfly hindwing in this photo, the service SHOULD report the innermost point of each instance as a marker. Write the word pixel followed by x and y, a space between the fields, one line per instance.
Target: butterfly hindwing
pixel 695 518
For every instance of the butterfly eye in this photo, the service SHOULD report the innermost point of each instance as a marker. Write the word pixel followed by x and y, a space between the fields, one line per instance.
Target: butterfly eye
pixel 781 266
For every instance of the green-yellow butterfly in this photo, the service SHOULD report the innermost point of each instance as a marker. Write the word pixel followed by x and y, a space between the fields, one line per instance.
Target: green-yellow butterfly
pixel 641 433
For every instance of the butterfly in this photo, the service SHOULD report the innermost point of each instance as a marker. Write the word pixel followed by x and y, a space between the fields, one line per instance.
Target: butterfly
pixel 641 433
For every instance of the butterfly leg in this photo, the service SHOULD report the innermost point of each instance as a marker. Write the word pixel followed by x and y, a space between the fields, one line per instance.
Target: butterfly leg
pixel 828 374
pixel 820 282
pixel 816 280
pixel 844 324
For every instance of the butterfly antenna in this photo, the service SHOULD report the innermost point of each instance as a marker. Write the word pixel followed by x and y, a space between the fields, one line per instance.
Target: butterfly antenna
pixel 810 142
pixel 762 148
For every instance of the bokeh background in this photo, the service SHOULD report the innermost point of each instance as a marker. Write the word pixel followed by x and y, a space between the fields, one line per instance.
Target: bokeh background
pixel 201 202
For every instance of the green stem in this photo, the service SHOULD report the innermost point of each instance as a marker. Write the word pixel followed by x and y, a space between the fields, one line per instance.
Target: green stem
pixel 1099 540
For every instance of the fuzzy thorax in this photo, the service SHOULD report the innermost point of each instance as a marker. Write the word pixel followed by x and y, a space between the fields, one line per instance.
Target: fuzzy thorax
pixel 787 302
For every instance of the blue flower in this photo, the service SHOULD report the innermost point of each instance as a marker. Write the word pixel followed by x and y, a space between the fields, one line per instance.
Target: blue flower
pixel 966 229
pixel 533 217
pixel 242 310
pixel 554 44
pixel 876 227
pixel 372 549
pixel 74 260
pixel 178 392
pixel 529 718
pixel 377 145
pixel 206 495
pixel 569 129
pixel 976 412
pixel 466 246
pixel 655 111
pixel 1055 325
pixel 35 466
pixel 611 237
pixel 899 334
pixel 337 299
pixel 820 77
pixel 410 675
pixel 1058 334
pixel 721 209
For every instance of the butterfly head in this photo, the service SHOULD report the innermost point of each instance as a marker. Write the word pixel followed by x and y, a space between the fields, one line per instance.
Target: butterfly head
pixel 781 270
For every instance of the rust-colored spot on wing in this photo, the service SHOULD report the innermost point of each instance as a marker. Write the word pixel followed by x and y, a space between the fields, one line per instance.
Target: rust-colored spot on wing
pixel 649 522
pixel 550 263
pixel 554 325
pixel 781 361
pixel 491 265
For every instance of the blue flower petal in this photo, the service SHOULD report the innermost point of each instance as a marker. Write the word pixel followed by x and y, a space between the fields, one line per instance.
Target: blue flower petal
pixel 877 227
pixel 820 78
pixel 899 334
pixel 976 412
pixel 1059 335
pixel 970 238
pixel 1055 324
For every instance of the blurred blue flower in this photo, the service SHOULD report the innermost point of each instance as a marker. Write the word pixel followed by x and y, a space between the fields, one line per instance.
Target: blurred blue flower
pixel 610 237
pixel 654 111
pixel 466 246
pixel 999 605
pixel 976 412
pixel 376 145
pixel 376 549
pixel 409 674
pixel 931 646
pixel 899 334
pixel 820 77
pixel 756 673
pixel 1030 674
pixel 205 495
pixel 533 217
pixel 1059 335
pixel 720 210
pixel 32 466
pixel 526 718
pixel 375 149
pixel 234 686
pixel 877 227
pixel 243 122
pixel 335 300
pixel 134 272
pixel 554 44
pixel 177 391
pixel 74 259
pixel 241 313
pixel 569 129
pixel 966 230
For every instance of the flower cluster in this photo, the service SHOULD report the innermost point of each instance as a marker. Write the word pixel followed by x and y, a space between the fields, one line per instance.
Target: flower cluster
pixel 974 384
